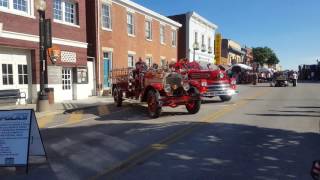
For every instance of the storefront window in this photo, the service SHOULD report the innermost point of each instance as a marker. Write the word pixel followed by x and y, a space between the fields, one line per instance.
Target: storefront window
pixel 7 74
pixel 23 74
pixel 80 75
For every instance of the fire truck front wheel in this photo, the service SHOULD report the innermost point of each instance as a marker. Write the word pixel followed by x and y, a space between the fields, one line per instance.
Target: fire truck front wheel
pixel 117 96
pixel 154 107
pixel 194 106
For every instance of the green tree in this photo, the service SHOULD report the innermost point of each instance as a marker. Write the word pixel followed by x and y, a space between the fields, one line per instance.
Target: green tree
pixel 273 59
pixel 264 55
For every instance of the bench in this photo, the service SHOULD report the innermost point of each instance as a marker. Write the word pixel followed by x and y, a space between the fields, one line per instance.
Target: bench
pixel 11 95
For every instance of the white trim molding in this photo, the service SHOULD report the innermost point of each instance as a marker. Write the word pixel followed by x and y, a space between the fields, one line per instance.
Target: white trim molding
pixel 107 49
pixel 34 38
pixel 130 10
pixel 132 52
pixel 65 23
pixel 199 18
pixel 148 18
pixel 107 1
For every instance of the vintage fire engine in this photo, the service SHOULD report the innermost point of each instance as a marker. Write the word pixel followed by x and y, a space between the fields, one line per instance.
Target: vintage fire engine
pixel 218 82
pixel 158 87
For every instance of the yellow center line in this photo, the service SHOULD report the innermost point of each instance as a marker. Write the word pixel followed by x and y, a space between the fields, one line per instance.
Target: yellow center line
pixel 75 117
pixel 45 120
pixel 103 110
pixel 164 143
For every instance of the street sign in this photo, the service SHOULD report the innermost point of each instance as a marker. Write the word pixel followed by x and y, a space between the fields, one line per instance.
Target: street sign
pixel 217 48
pixel 19 138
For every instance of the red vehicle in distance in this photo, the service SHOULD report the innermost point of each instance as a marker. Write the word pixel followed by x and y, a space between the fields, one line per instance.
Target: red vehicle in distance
pixel 218 82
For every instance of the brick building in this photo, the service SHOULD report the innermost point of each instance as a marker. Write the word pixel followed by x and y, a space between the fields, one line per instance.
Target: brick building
pixel 231 52
pixel 19 49
pixel 248 56
pixel 121 31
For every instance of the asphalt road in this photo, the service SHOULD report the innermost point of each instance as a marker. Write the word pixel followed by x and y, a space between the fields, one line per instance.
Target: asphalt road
pixel 263 133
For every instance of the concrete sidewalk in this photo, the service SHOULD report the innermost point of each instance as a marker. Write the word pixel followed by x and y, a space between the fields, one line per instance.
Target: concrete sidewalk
pixel 60 108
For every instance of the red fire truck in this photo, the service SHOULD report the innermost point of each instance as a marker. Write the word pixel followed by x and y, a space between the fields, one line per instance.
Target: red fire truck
pixel 218 82
pixel 157 87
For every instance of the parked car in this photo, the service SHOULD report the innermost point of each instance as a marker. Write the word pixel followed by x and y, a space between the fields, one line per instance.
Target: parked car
pixel 218 82
pixel 156 87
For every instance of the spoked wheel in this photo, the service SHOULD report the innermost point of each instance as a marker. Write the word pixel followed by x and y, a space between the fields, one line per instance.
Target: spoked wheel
pixel 154 107
pixel 194 106
pixel 117 96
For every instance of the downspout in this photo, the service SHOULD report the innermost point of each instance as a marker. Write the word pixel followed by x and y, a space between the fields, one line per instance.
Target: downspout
pixel 98 47
pixel 188 49
pixel 94 75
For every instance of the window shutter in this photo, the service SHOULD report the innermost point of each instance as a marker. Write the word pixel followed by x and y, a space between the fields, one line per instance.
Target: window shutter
pixel 77 13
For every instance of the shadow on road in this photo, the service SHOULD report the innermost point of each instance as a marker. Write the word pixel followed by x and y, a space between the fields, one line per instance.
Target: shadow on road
pixel 303 107
pixel 296 111
pixel 222 151
pixel 285 115
pixel 233 152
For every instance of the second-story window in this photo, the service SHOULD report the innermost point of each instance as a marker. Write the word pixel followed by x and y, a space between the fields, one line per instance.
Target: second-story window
pixel 209 42
pixel 65 11
pixel 20 5
pixel 174 38
pixel 148 26
pixel 70 12
pixel 4 3
pixel 57 10
pixel 130 22
pixel 162 34
pixel 202 40
pixel 196 37
pixel 106 16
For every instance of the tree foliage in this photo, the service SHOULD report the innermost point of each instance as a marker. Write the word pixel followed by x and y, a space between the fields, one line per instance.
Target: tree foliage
pixel 265 55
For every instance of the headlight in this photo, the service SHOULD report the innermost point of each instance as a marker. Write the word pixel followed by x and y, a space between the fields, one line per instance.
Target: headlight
pixel 220 75
pixel 204 83
pixel 186 86
pixel 167 88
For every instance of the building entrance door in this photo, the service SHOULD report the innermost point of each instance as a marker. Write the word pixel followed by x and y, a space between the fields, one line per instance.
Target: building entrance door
pixel 67 84
pixel 107 60
pixel 15 72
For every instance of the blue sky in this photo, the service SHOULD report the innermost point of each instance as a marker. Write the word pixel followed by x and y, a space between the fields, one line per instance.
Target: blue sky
pixel 290 27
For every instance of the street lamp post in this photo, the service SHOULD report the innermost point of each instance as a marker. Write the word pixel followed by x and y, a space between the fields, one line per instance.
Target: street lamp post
pixel 42 104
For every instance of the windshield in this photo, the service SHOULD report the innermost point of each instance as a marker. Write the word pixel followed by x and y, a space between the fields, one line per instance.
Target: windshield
pixel 202 66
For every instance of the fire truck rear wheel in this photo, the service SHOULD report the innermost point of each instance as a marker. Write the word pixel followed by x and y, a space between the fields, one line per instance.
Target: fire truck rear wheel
pixel 117 97
pixel 154 107
pixel 194 106
pixel 225 98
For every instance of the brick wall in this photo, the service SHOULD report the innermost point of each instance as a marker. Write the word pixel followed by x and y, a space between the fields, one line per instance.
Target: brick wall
pixel 29 25
pixel 121 43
